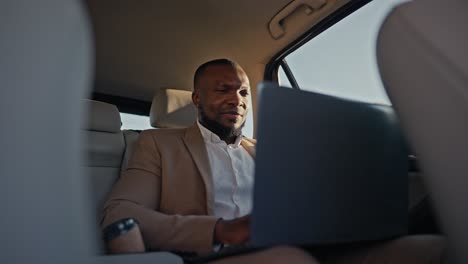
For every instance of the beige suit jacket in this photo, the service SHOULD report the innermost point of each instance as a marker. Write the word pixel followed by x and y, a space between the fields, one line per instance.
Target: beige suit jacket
pixel 167 187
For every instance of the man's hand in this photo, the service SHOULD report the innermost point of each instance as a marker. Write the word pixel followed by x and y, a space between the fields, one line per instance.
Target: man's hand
pixel 233 232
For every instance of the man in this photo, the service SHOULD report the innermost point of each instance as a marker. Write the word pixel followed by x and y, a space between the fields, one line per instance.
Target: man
pixel 179 184
pixel 191 189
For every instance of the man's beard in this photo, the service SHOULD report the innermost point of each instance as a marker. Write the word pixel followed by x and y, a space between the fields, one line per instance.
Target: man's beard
pixel 223 132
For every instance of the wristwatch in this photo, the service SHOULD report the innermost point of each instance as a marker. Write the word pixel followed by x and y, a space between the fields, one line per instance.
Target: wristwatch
pixel 118 228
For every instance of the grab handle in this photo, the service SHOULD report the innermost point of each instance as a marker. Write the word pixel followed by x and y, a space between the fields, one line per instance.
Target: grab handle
pixel 275 27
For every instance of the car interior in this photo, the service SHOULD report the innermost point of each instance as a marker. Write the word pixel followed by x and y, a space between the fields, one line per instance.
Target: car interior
pixel 92 62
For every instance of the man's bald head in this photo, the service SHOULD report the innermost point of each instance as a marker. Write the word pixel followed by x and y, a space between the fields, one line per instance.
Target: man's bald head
pixel 222 95
pixel 202 68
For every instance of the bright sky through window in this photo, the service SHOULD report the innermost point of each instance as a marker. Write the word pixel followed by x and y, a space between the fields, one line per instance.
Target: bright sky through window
pixel 136 122
pixel 341 61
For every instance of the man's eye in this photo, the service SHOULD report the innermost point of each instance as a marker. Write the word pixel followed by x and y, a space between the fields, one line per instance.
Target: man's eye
pixel 244 93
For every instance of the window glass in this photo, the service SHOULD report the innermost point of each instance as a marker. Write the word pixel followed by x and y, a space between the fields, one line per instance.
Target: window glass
pixel 282 78
pixel 135 122
pixel 341 61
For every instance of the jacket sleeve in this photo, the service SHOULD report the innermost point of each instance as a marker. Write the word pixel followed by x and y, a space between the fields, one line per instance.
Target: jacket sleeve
pixel 137 194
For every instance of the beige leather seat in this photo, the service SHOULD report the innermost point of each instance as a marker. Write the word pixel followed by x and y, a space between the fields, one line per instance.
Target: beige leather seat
pixel 172 108
pixel 104 148
pixel 46 70
pixel 108 148
pixel 423 60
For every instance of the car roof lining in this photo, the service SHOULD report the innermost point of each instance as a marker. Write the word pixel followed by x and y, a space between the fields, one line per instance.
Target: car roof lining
pixel 142 46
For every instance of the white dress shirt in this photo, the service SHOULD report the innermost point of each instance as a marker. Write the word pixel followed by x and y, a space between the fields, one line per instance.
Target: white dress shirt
pixel 232 170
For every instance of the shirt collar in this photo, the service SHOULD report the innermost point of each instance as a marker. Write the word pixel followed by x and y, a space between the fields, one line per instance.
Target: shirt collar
pixel 209 136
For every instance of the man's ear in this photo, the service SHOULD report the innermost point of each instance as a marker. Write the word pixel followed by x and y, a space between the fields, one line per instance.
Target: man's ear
pixel 195 98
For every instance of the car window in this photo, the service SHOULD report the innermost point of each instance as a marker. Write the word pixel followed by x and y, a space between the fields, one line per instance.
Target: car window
pixel 341 61
pixel 135 122
pixel 283 78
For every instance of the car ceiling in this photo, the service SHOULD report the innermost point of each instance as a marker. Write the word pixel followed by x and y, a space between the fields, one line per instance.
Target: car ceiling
pixel 149 44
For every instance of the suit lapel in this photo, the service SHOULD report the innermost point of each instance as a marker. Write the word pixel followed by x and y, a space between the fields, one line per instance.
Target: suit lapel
pixel 196 146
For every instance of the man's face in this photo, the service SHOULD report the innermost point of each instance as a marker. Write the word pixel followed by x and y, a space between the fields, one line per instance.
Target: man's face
pixel 223 96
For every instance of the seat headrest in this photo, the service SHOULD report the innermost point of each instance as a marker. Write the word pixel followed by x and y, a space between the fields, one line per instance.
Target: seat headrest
pixel 102 117
pixel 172 109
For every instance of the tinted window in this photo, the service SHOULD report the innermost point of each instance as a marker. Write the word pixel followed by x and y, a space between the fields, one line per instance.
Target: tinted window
pixel 135 122
pixel 341 61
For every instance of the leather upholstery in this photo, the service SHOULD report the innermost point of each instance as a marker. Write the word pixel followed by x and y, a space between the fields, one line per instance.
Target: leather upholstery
pixel 104 147
pixel 172 109
pixel 46 62
pixel 421 52
pixel 102 117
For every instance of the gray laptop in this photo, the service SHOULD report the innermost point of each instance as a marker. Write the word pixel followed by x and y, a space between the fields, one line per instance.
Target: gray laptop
pixel 328 170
